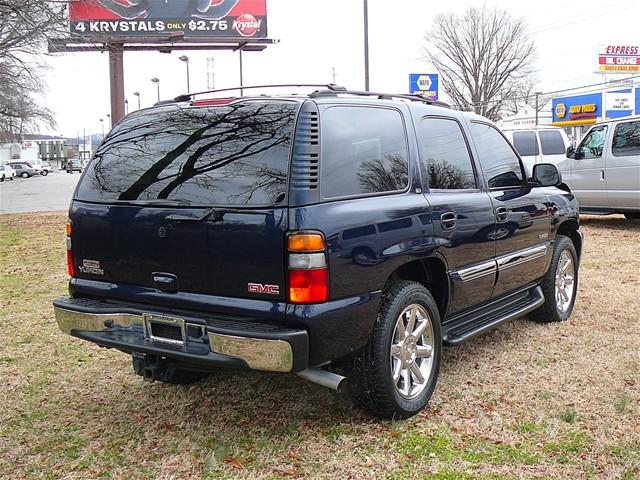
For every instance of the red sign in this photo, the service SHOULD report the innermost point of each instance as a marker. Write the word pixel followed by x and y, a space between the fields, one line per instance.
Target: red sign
pixel 157 18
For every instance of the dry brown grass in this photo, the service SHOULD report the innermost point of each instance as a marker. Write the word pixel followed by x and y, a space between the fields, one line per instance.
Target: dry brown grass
pixel 524 401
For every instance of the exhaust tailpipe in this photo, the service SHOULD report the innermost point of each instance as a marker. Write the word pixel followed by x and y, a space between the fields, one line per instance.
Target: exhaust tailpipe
pixel 324 378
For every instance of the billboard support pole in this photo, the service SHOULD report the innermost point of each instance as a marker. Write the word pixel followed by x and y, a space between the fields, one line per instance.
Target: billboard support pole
pixel 241 80
pixel 116 81
pixel 366 46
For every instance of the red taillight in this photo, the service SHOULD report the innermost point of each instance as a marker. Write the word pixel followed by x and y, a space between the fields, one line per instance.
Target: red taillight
pixel 71 268
pixel 308 278
pixel 308 286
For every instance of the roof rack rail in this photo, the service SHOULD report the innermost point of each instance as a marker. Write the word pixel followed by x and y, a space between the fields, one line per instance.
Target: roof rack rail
pixel 381 96
pixel 329 86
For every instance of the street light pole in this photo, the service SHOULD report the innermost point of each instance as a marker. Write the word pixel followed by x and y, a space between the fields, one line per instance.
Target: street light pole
pixel 366 45
pixel 126 106
pixel 102 123
pixel 137 94
pixel 185 59
pixel 537 106
pixel 156 80
pixel 110 123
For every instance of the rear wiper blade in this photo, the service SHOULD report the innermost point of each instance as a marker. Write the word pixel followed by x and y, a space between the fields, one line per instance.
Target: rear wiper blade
pixel 216 213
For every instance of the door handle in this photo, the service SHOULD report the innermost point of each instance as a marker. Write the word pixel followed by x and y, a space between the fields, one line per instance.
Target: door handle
pixel 602 175
pixel 502 214
pixel 448 220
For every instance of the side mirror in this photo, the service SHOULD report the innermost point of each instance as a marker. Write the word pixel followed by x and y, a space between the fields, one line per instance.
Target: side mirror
pixel 546 175
pixel 570 151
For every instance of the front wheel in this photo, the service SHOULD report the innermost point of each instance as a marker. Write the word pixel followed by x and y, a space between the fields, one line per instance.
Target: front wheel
pixel 24 175
pixel 44 173
pixel 560 283
pixel 395 374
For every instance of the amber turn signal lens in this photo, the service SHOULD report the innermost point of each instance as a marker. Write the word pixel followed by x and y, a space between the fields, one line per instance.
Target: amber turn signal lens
pixel 69 229
pixel 305 242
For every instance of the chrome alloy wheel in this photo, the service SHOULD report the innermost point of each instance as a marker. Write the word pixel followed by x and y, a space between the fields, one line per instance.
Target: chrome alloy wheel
pixel 565 281
pixel 411 357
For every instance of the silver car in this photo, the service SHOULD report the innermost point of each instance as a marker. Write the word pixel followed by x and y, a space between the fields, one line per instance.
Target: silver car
pixel 604 170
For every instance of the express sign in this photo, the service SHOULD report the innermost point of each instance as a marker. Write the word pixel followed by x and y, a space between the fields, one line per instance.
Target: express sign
pixel 154 18
pixel 619 58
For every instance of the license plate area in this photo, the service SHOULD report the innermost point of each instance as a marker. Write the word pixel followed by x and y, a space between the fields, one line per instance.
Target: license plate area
pixel 165 329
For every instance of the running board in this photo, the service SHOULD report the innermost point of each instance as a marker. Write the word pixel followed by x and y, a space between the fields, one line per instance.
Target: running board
pixel 478 321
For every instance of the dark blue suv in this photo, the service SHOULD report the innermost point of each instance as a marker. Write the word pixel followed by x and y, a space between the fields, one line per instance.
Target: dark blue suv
pixel 333 235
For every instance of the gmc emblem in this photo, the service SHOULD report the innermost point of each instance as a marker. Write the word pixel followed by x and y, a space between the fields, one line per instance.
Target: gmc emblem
pixel 265 289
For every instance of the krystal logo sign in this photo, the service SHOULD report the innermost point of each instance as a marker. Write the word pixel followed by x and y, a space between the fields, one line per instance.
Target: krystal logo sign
pixel 246 25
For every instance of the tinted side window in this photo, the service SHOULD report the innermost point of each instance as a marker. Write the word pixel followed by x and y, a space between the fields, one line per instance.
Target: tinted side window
pixel 593 144
pixel 626 139
pixel 526 143
pixel 364 150
pixel 552 143
pixel 500 164
pixel 446 162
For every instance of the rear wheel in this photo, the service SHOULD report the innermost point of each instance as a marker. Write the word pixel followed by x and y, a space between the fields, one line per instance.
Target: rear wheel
pixel 559 284
pixel 24 175
pixel 44 173
pixel 632 215
pixel 395 374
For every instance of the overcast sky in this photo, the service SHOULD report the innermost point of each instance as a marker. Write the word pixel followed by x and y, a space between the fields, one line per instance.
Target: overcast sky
pixel 316 35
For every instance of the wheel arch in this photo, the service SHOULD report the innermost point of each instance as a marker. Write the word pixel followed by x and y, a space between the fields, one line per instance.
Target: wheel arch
pixel 430 272
pixel 569 228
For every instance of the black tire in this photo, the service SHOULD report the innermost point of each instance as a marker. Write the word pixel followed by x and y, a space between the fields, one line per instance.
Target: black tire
pixel 25 175
pixel 44 173
pixel 632 215
pixel 550 312
pixel 371 383
pixel 2 179
pixel 11 178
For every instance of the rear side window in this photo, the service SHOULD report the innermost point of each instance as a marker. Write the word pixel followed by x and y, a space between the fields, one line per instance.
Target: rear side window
pixel 626 139
pixel 552 143
pixel 500 164
pixel 235 154
pixel 446 162
pixel 364 150
pixel 526 143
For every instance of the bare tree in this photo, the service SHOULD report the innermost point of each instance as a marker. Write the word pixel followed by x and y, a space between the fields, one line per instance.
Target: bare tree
pixel 482 55
pixel 25 26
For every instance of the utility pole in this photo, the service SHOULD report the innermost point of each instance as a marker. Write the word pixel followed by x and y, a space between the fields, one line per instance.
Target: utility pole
pixel 185 59
pixel 241 79
pixel 366 45
pixel 116 81
pixel 537 106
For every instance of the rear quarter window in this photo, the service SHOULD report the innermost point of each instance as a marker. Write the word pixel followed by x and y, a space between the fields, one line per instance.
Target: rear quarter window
pixel 626 139
pixel 364 151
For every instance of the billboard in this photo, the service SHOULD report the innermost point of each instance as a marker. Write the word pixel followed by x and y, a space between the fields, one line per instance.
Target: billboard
pixel 577 109
pixel 242 19
pixel 619 59
pixel 425 84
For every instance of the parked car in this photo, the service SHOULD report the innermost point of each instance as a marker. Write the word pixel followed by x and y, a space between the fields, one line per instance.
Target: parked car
pixel 604 170
pixel 25 169
pixel 6 173
pixel 539 145
pixel 46 168
pixel 73 165
pixel 232 240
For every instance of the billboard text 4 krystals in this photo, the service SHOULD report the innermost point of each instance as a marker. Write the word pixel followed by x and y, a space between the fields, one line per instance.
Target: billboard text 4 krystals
pixel 154 18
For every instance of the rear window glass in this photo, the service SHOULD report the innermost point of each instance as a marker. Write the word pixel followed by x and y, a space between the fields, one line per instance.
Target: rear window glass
pixel 364 150
pixel 626 139
pixel 552 143
pixel 235 154
pixel 526 143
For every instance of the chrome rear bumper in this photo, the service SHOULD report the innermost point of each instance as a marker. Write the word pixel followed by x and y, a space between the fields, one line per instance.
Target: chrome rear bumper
pixel 273 349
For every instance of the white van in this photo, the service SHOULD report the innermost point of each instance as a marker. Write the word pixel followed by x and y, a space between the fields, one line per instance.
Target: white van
pixel 603 172
pixel 539 145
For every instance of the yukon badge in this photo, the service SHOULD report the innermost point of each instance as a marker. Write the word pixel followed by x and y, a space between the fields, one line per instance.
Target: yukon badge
pixel 263 288
pixel 91 267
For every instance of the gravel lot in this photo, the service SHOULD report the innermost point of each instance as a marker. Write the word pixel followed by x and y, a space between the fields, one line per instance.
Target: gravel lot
pixel 523 401
pixel 38 194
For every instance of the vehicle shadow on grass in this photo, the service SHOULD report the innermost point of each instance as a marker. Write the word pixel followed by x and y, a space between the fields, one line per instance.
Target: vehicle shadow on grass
pixel 610 222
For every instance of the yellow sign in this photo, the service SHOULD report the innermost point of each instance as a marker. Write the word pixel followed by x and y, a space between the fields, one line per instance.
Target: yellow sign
pixel 586 108
pixel 561 110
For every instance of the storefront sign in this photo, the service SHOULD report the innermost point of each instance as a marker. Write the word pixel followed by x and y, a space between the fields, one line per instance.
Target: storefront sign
pixel 577 110
pixel 619 58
